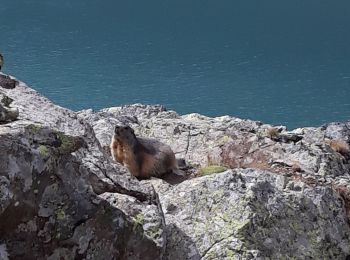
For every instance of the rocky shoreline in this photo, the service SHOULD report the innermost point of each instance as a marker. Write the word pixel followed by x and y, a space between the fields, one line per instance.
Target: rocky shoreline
pixel 279 193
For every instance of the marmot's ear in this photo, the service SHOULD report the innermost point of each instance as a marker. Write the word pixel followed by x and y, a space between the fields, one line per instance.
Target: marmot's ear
pixel 116 128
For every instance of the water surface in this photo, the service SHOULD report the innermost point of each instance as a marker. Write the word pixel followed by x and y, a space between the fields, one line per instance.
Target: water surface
pixel 281 62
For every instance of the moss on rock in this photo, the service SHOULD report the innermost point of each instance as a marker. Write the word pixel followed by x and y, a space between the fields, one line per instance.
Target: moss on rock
pixel 212 169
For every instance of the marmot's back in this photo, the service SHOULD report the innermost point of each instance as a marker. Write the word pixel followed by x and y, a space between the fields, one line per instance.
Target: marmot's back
pixel 158 158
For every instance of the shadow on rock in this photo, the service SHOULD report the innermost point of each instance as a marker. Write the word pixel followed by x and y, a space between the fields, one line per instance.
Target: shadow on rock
pixel 174 179
pixel 179 245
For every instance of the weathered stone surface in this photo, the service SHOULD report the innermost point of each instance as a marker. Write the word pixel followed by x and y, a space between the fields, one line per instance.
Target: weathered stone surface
pixel 301 161
pixel 249 214
pixel 7 114
pixel 61 197
pixel 7 82
pixel 234 142
pixel 286 193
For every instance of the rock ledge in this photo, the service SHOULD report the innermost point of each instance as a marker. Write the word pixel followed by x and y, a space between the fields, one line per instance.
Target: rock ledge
pixel 285 194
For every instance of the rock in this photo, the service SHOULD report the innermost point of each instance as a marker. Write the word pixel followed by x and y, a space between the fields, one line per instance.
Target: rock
pixel 246 213
pixel 229 141
pixel 7 82
pixel 285 193
pixel 8 114
pixel 62 197
pixel 292 162
pixel 338 131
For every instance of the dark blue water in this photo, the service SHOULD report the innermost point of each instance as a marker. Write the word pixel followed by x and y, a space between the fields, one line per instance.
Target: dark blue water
pixel 281 62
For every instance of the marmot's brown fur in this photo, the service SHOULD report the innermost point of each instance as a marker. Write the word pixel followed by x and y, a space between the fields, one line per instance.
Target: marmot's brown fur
pixel 142 156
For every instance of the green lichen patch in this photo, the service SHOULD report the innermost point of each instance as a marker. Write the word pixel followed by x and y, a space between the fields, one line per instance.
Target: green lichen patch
pixel 34 128
pixel 229 253
pixel 154 232
pixel 211 256
pixel 43 150
pixel 52 140
pixel 68 144
pixel 60 214
pixel 139 219
pixel 212 169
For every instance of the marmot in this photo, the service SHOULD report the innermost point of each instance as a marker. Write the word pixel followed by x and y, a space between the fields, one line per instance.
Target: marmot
pixel 142 156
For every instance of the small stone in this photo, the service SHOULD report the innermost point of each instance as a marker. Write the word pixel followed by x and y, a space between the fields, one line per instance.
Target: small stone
pixel 7 82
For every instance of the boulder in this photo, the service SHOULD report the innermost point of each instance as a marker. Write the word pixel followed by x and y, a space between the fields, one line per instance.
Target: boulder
pixel 8 114
pixel 293 180
pixel 303 153
pixel 7 81
pixel 253 214
pixel 61 197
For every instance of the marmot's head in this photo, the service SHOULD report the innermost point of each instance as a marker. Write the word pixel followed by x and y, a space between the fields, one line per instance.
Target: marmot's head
pixel 124 134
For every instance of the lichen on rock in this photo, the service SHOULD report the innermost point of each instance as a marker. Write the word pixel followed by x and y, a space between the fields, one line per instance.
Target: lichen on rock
pixel 262 194
pixel 51 164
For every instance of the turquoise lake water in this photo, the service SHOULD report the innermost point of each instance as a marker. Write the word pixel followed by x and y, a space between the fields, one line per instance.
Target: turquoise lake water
pixel 280 62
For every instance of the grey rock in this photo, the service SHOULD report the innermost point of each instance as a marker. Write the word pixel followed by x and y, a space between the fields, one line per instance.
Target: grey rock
pixel 338 131
pixel 286 194
pixel 54 181
pixel 7 81
pixel 245 213
pixel 298 166
pixel 7 114
pixel 229 141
